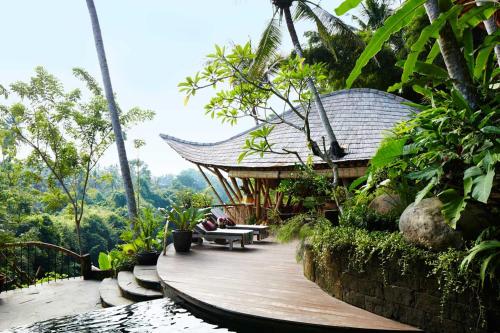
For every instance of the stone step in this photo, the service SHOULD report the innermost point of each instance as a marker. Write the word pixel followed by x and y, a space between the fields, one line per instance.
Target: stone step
pixel 132 289
pixel 111 294
pixel 147 277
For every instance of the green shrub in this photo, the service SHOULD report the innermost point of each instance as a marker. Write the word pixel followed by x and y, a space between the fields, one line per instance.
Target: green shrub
pixel 298 227
pixel 357 214
pixel 187 199
pixel 361 245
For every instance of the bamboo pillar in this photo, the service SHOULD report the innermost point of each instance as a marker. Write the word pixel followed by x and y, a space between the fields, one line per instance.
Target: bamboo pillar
pixel 250 185
pixel 246 188
pixel 279 201
pixel 257 199
pixel 267 200
pixel 226 184
pixel 235 184
pixel 221 180
pixel 210 184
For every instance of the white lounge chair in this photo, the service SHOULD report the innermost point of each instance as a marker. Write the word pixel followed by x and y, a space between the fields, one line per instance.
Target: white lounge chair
pixel 245 237
pixel 261 231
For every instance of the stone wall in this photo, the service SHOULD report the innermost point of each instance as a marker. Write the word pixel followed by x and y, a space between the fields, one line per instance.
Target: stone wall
pixel 413 298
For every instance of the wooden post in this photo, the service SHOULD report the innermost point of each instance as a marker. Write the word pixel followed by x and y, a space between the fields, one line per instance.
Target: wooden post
pixel 210 184
pixel 165 235
pixel 279 201
pixel 250 185
pixel 226 184
pixel 257 199
pixel 213 189
pixel 267 200
pixel 221 180
pixel 235 184
pixel 86 267
pixel 246 187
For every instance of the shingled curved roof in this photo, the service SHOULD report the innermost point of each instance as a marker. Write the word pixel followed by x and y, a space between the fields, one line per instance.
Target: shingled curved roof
pixel 359 118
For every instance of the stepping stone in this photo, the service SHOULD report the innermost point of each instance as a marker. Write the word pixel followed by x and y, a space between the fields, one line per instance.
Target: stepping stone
pixel 132 289
pixel 147 277
pixel 111 294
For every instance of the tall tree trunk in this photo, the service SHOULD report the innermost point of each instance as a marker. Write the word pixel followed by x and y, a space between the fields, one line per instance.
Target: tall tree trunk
pixel 452 56
pixel 115 120
pixel 491 27
pixel 335 150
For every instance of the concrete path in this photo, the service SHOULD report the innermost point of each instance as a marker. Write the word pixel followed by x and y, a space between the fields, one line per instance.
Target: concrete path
pixel 46 301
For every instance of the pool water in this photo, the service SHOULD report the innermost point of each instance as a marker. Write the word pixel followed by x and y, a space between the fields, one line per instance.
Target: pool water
pixel 162 315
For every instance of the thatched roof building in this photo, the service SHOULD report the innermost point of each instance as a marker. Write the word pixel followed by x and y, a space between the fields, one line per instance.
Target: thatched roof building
pixel 359 117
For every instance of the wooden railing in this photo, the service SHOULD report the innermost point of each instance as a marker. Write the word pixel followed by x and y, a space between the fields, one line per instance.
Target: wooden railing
pixel 27 263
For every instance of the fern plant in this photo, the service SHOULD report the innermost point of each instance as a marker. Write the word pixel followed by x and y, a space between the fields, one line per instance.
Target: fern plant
pixel 486 249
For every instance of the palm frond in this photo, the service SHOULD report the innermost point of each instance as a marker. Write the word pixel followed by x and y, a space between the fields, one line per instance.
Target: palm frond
pixel 327 25
pixel 4 92
pixel 267 49
pixel 88 79
pixel 360 22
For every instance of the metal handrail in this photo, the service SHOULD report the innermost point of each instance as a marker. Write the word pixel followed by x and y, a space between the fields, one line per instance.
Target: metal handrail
pixel 42 245
pixel 25 273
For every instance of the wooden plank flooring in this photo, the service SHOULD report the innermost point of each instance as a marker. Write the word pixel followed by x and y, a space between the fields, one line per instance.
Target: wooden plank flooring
pixel 262 280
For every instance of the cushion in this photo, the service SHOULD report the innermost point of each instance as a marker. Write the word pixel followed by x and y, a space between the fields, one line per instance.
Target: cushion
pixel 230 222
pixel 209 225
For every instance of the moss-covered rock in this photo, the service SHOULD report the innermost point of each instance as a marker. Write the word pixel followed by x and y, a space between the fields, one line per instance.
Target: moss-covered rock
pixel 423 224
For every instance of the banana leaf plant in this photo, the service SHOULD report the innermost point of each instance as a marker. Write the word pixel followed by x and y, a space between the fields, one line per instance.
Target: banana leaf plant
pixel 185 219
pixel 146 236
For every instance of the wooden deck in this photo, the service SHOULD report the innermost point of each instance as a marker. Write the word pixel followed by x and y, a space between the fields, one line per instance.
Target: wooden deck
pixel 262 282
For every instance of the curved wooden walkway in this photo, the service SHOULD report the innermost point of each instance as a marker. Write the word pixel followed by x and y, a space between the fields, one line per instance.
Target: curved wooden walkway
pixel 262 282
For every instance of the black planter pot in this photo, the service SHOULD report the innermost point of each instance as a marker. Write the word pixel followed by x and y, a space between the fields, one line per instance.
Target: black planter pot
pixel 147 258
pixel 182 240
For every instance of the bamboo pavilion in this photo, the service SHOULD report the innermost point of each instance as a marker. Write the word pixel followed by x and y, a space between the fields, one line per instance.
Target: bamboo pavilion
pixel 359 117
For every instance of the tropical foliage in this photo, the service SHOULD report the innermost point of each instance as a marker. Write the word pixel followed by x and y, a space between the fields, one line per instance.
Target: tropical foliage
pixel 249 96
pixel 66 135
pixel 451 148
pixel 184 219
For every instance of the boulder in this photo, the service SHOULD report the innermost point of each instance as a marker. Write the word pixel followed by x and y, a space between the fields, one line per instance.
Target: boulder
pixel 385 204
pixel 423 224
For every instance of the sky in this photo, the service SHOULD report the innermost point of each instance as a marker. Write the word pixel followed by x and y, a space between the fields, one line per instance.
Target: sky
pixel 151 46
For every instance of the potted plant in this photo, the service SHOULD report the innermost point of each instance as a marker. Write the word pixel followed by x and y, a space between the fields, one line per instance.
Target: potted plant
pixel 184 220
pixel 110 263
pixel 147 237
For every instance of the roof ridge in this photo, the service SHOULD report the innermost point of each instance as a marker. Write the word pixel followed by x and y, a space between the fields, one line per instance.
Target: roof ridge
pixel 334 93
pixel 370 90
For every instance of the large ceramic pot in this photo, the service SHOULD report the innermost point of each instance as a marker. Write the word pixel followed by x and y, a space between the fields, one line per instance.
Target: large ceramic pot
pixel 182 240
pixel 147 258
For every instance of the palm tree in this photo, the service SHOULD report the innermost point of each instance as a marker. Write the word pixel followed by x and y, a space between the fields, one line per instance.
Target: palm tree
pixel 373 15
pixel 374 12
pixel 452 56
pixel 326 24
pixel 113 111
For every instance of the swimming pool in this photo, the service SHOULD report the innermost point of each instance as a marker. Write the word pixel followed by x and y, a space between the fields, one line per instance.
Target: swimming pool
pixel 162 315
